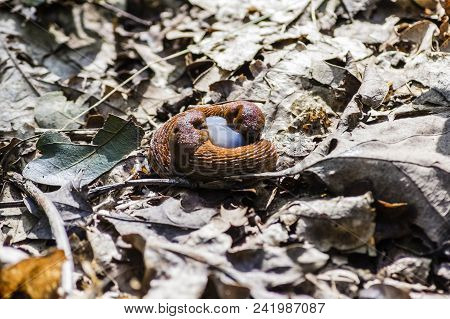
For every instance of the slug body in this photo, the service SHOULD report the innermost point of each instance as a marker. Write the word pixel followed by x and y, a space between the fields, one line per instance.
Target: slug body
pixel 213 141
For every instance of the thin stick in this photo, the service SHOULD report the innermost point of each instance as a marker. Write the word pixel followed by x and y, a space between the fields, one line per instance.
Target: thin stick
pixel 172 56
pixel 179 182
pixel 122 13
pixel 80 131
pixel 176 181
pixel 79 91
pixel 33 88
pixel 56 224
pixel 180 53
pixel 141 182
pixel 12 204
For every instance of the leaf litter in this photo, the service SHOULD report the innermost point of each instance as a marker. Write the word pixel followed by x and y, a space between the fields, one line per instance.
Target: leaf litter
pixel 355 95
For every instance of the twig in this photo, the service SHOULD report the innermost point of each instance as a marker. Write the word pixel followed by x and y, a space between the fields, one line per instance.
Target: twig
pixel 56 224
pixel 348 11
pixel 12 204
pixel 75 134
pixel 33 88
pixel 172 56
pixel 122 13
pixel 79 91
pixel 177 181
pixel 313 14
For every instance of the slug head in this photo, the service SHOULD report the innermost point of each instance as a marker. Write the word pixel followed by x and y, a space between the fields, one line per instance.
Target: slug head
pixel 246 118
pixel 189 133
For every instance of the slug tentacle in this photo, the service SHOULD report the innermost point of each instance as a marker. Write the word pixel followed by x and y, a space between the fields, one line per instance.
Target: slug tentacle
pixel 183 146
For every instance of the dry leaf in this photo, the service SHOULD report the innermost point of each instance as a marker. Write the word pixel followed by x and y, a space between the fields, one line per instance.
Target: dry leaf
pixel 36 277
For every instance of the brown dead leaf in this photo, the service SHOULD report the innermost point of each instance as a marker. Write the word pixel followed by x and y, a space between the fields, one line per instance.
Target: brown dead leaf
pixel 36 277
pixel 355 97
pixel 446 5
pixel 172 212
pixel 409 269
pixel 420 34
pixel 236 217
pixel 444 34
pixel 227 290
pixel 381 291
pixel 344 223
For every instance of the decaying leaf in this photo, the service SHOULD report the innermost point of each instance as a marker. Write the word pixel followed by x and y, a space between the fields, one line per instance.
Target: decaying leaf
pixel 344 223
pixel 52 110
pixel 356 100
pixel 373 89
pixel 15 225
pixel 229 55
pixel 263 269
pixel 171 212
pixel 232 49
pixel 368 32
pixel 381 291
pixel 103 247
pixel 62 160
pixel 409 269
pixel 174 276
pixel 17 98
pixel 396 161
pixel 71 202
pixel 421 34
pixel 428 68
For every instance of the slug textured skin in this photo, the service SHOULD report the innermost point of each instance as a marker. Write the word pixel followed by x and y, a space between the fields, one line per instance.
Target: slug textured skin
pixel 182 147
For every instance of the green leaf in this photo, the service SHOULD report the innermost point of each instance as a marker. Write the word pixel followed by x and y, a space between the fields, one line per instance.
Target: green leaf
pixel 61 159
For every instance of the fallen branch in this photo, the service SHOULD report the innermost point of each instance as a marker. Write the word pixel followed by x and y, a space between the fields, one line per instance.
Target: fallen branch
pixel 56 224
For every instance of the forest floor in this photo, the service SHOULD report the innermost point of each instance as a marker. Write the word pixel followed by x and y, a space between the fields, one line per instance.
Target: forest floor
pixel 356 99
